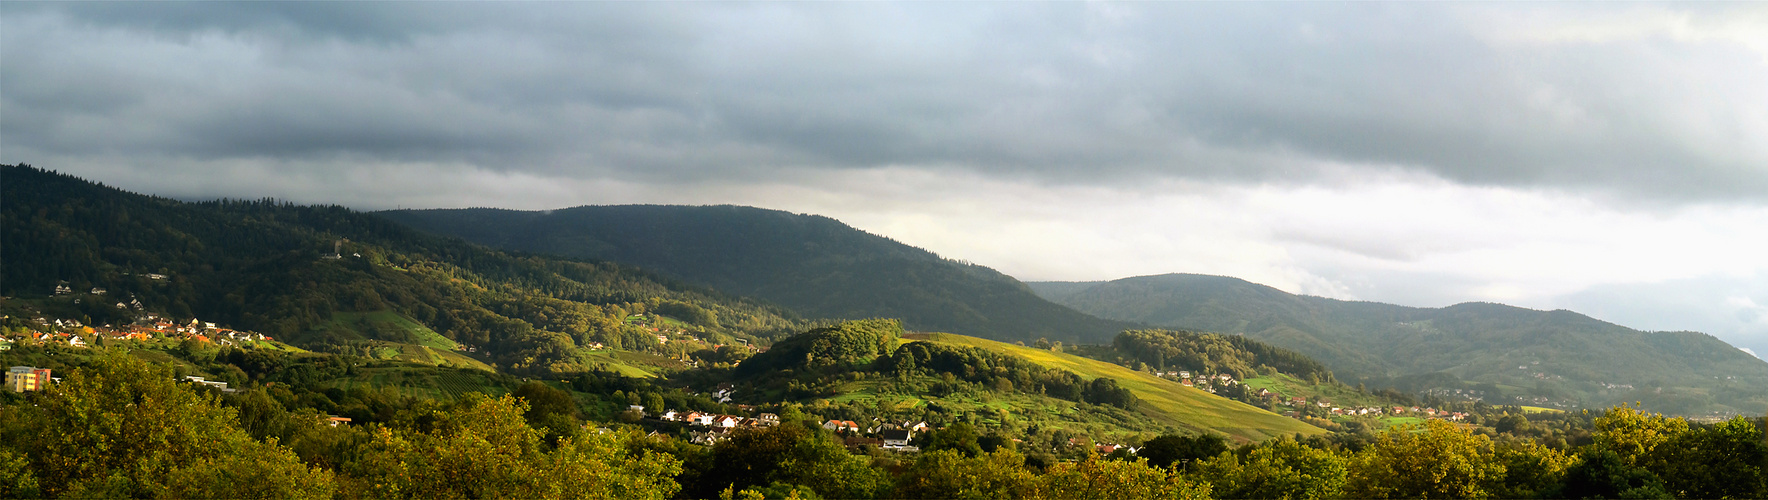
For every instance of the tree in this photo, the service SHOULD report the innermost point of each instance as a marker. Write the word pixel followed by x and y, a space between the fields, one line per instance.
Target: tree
pixel 828 469
pixel 1531 470
pixel 1121 479
pixel 959 437
pixel 949 474
pixel 16 478
pixel 1279 468
pixel 549 408
pixel 1724 461
pixel 1171 449
pixel 1635 436
pixel 1512 423
pixel 1602 473
pixel 1443 461
pixel 484 448
pixel 121 427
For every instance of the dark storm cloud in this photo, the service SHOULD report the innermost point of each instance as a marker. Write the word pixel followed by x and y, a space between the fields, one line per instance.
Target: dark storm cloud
pixel 1051 92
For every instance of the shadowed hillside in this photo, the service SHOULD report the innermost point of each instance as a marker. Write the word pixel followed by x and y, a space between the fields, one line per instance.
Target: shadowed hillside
pixel 269 267
pixel 812 264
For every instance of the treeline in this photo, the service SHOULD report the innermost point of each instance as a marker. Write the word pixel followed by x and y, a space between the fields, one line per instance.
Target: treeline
pixel 259 265
pixel 831 348
pixel 1212 353
pixel 1004 373
pixel 119 427
pixel 872 346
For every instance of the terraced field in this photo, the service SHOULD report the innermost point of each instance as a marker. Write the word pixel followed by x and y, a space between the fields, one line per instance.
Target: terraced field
pixel 1164 400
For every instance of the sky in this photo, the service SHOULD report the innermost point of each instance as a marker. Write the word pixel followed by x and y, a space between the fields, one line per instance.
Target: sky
pixel 1608 158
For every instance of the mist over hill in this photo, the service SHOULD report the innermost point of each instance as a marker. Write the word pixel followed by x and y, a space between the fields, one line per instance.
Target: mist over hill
pixel 815 265
pixel 1537 356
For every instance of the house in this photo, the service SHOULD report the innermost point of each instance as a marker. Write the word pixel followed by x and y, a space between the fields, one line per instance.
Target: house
pixel 708 437
pixel 637 408
pixel 726 421
pixel 858 443
pixel 668 416
pixel 210 383
pixel 842 426
pixel 897 439
pixel 1187 382
pixel 336 420
pixel 768 419
pixel 27 378
pixel 917 426
pixel 1184 374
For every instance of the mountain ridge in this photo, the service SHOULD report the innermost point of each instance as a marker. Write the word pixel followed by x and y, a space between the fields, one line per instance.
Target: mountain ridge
pixel 813 264
pixel 1559 355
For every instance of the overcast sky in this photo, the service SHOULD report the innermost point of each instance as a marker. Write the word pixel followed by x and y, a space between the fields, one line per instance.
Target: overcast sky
pixel 1607 158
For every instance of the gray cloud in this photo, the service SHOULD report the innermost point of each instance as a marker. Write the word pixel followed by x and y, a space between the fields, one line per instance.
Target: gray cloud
pixel 1113 93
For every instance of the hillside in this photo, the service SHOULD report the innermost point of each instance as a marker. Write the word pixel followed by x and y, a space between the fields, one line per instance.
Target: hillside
pixel 814 265
pixel 1165 400
pixel 1538 356
pixel 994 383
pixel 390 291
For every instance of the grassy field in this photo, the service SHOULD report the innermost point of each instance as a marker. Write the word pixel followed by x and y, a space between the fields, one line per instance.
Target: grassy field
pixel 1165 401
pixel 422 382
pixel 1339 395
pixel 1537 409
pixel 622 362
pixel 390 322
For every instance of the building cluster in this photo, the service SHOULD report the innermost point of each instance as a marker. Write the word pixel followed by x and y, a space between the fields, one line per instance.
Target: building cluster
pixel 209 383
pixel 1348 411
pixel 147 327
pixel 1205 382
pixel 710 428
pixel 1458 394
pixel 892 436
pixel 27 379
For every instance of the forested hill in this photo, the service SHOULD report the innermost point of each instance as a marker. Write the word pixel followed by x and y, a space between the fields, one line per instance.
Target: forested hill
pixel 263 266
pixel 812 264
pixel 1554 355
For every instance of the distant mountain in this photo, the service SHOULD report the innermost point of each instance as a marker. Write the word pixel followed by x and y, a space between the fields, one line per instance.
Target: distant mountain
pixel 270 267
pixel 1552 355
pixel 815 265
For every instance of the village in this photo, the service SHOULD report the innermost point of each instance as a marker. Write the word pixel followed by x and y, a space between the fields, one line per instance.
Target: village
pixel 147 327
pixel 1211 384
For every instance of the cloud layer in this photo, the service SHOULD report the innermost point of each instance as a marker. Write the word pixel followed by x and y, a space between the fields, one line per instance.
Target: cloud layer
pixel 1649 101
pixel 1608 158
